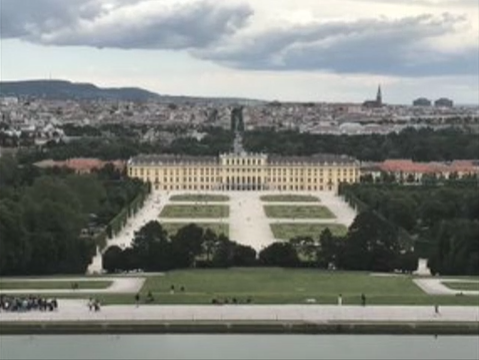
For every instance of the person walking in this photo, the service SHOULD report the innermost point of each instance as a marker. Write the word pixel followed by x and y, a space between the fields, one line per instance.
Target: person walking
pixel 137 299
pixel 340 300
pixel 363 300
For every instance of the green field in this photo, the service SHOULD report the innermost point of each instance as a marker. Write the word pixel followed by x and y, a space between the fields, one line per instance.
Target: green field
pixel 57 285
pixel 465 286
pixel 172 228
pixel 288 231
pixel 281 286
pixel 199 197
pixel 289 198
pixel 195 211
pixel 288 286
pixel 298 212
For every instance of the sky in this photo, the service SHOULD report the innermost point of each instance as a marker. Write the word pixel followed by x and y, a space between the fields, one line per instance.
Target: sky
pixel 286 50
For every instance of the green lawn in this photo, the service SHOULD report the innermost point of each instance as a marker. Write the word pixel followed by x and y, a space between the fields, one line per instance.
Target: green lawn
pixel 57 285
pixel 465 286
pixel 282 286
pixel 298 212
pixel 195 211
pixel 199 197
pixel 289 198
pixel 173 228
pixel 288 231
pixel 286 286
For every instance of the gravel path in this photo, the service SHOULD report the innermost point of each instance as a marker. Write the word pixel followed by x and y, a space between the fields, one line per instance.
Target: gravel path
pixel 436 287
pixel 119 285
pixel 78 311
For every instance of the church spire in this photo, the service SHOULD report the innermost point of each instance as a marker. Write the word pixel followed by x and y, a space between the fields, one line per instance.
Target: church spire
pixel 379 96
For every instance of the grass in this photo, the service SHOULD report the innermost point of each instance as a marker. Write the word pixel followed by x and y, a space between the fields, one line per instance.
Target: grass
pixel 199 197
pixel 172 228
pixel 465 286
pixel 282 286
pixel 289 231
pixel 298 212
pixel 56 285
pixel 195 211
pixel 289 198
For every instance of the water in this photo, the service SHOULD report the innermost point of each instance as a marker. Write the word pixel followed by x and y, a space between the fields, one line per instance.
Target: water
pixel 239 347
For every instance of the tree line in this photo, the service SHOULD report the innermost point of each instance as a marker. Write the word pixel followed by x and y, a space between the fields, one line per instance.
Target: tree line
pixel 125 145
pixel 49 217
pixel 153 249
pixel 419 145
pixel 441 220
pixel 371 244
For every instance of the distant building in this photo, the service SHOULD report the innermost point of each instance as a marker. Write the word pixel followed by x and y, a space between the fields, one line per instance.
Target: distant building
pixel 444 102
pixel 375 103
pixel 81 165
pixel 410 171
pixel 422 102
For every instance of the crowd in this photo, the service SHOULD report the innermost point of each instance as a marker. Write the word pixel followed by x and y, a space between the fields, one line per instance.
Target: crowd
pixel 30 303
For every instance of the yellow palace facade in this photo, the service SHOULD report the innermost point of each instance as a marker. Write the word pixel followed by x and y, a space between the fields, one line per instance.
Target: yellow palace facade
pixel 244 172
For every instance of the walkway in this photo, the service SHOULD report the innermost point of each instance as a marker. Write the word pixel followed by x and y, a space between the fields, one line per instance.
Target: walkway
pixel 436 287
pixel 78 311
pixel 120 285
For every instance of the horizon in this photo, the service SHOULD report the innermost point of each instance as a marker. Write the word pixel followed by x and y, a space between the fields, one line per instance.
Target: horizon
pixel 231 97
pixel 268 50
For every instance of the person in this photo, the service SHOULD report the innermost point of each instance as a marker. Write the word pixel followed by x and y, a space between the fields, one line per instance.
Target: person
pixel 150 297
pixel 137 299
pixel 90 304
pixel 96 304
pixel 436 309
pixel 340 300
pixel 363 299
pixel 172 289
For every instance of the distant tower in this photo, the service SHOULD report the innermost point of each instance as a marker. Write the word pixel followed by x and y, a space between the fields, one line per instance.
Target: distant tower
pixel 379 97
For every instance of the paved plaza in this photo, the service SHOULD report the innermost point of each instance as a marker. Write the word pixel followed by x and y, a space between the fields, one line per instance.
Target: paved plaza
pixel 77 310
pixel 247 221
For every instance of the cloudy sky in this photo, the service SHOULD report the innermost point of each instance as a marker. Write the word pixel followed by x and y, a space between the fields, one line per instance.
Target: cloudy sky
pixel 290 50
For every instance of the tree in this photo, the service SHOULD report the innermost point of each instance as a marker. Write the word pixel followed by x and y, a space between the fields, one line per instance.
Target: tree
pixel 371 244
pixel 153 248
pixel 305 247
pixel 15 250
pixel 188 244
pixel 279 254
pixel 112 259
pixel 243 256
pixel 329 250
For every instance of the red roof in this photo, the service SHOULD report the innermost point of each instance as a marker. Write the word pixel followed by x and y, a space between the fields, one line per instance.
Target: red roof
pixel 409 166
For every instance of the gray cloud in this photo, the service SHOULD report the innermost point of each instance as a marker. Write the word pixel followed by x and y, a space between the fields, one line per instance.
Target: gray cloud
pixel 372 46
pixel 122 25
pixel 425 3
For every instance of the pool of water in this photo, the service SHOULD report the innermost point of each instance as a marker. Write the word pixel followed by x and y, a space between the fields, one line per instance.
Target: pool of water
pixel 239 347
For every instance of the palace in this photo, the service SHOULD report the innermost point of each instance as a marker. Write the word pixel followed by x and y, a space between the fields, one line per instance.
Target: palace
pixel 245 172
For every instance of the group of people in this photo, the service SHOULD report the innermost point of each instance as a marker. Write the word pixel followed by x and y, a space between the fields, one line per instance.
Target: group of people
pixel 233 301
pixel 30 303
pixel 94 304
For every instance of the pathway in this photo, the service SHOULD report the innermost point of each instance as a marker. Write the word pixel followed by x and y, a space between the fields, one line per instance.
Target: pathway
pixel 436 286
pixel 248 225
pixel 78 311
pixel 119 285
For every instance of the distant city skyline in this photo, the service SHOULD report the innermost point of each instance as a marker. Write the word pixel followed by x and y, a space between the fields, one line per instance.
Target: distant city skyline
pixel 303 50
